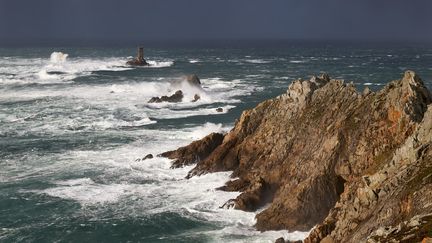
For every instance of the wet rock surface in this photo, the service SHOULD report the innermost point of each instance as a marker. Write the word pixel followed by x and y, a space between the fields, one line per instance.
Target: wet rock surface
pixel 325 154
pixel 194 152
pixel 176 97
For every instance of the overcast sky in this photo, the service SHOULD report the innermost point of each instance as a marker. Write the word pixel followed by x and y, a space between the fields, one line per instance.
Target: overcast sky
pixel 53 21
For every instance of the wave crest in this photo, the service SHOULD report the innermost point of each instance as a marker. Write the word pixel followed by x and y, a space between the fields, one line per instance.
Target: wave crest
pixel 58 57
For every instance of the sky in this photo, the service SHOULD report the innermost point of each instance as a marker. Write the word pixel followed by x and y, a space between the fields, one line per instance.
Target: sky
pixel 123 21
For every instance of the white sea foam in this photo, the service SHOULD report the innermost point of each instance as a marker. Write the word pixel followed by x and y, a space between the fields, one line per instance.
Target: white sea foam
pixel 297 61
pixel 377 84
pixel 206 129
pixel 144 188
pixel 159 64
pixel 257 61
pixel 58 57
pixel 194 61
pixel 166 113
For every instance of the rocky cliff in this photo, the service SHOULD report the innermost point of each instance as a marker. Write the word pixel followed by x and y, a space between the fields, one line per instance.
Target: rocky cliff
pixel 325 155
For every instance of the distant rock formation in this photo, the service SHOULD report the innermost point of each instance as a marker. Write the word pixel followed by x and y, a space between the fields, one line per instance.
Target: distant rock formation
pixel 192 80
pixel 176 97
pixel 139 59
pixel 354 164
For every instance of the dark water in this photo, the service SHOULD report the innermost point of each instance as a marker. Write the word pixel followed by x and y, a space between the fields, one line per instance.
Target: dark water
pixel 72 128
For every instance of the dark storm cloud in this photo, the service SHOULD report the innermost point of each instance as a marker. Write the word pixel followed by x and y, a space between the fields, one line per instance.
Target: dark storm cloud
pixel 170 20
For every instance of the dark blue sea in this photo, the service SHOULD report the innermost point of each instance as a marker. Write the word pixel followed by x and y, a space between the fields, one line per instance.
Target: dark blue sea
pixel 74 121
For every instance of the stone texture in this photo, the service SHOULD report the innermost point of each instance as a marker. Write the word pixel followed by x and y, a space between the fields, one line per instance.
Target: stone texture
pixel 323 153
pixel 176 97
pixel 194 152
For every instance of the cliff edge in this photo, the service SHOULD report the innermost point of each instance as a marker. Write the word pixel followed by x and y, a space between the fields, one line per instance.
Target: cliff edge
pixel 325 155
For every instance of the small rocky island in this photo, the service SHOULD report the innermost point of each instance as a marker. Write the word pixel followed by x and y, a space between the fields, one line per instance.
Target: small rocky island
pixel 139 59
pixel 354 166
pixel 190 80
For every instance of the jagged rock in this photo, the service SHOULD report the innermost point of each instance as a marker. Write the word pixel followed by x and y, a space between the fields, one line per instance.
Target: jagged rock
pixel 193 80
pixel 219 109
pixel 366 91
pixel 416 229
pixel 148 156
pixel 194 152
pixel 253 192
pixel 139 60
pixel 196 98
pixel 176 97
pixel 308 150
pixel 280 240
pixel 400 209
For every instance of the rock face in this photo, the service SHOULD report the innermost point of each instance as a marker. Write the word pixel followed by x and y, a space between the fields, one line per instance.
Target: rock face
pixel 193 80
pixel 392 202
pixel 194 152
pixel 176 97
pixel 323 153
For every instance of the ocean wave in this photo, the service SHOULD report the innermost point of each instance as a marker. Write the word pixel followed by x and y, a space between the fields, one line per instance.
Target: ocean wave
pixel 297 61
pixel 166 113
pixel 257 61
pixel 58 57
pixel 206 129
pixel 137 189
pixel 159 64
pixel 194 60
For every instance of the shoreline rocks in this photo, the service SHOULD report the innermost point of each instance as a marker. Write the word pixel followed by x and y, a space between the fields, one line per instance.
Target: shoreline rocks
pixel 194 152
pixel 325 154
pixel 175 98
pixel 191 81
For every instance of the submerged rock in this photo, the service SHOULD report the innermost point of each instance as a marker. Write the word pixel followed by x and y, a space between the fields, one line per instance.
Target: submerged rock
pixel 176 97
pixel 219 109
pixel 148 156
pixel 196 98
pixel 323 153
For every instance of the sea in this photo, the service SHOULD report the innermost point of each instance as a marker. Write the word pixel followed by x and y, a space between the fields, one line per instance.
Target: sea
pixel 75 123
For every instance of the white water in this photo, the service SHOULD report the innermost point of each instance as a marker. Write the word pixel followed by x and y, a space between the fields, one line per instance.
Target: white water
pixel 120 186
pixel 121 183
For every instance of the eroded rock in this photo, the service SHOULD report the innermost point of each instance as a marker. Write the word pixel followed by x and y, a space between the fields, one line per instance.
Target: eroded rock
pixel 176 97
pixel 194 152
pixel 323 153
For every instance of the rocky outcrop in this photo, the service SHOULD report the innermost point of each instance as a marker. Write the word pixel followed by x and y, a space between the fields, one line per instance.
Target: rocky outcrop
pixel 188 82
pixel 193 80
pixel 323 153
pixel 176 97
pixel 194 152
pixel 391 203
pixel 139 59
